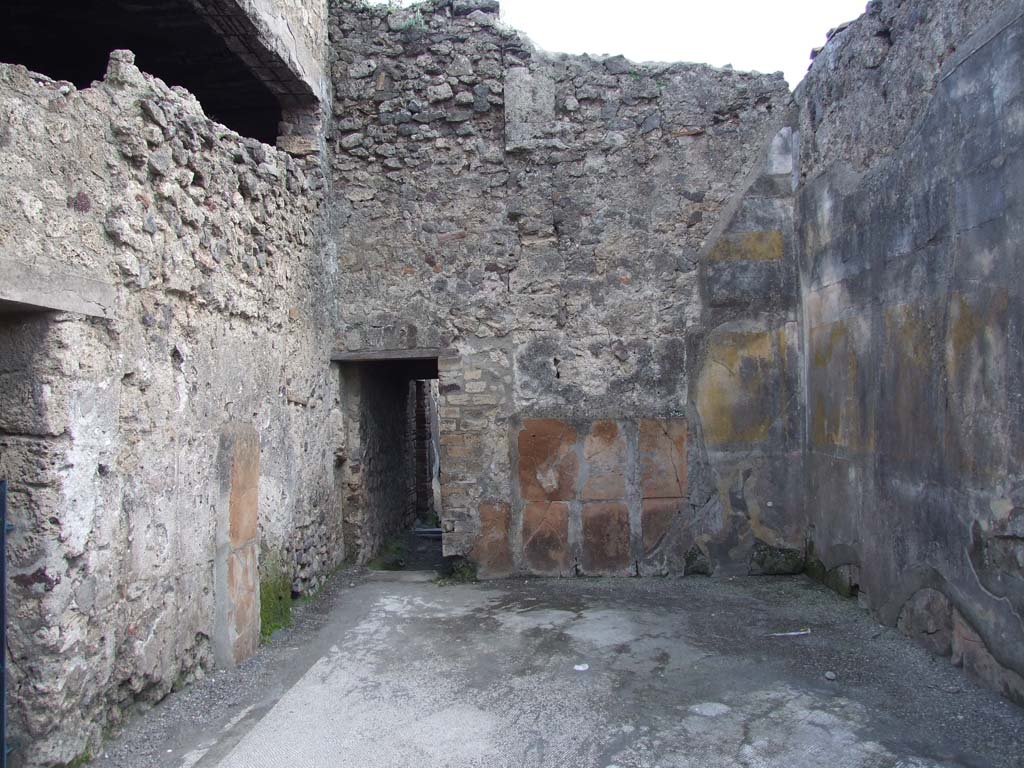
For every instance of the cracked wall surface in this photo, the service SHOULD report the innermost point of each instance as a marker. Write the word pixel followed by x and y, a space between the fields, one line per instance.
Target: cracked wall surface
pixel 910 234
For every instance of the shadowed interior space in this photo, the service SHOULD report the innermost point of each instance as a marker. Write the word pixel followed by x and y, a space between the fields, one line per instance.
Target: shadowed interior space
pixel 391 515
pixel 72 40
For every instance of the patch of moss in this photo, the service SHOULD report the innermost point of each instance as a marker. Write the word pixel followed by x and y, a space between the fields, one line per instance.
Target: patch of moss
pixel 696 563
pixel 816 569
pixel 275 601
pixel 777 561
pixel 83 759
pixel 390 558
pixel 461 571
pixel 311 595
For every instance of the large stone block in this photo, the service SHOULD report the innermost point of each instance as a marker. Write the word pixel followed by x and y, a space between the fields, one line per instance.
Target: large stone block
pixel 493 549
pixel 548 464
pixel 529 108
pixel 971 653
pixel 604 454
pixel 546 538
pixel 606 541
pixel 663 458
pixel 928 618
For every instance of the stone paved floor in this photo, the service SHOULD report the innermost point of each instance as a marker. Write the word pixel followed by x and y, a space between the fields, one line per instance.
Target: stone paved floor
pixel 402 672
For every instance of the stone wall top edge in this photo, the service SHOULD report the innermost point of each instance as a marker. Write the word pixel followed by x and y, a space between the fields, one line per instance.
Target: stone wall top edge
pixel 35 84
pixel 612 63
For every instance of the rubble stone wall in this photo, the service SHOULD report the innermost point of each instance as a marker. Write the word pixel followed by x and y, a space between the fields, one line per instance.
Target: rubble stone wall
pixel 683 325
pixel 113 429
pixel 543 220
pixel 910 222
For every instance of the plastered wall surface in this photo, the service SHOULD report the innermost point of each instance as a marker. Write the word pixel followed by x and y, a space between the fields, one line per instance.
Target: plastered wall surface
pixel 296 30
pixel 910 236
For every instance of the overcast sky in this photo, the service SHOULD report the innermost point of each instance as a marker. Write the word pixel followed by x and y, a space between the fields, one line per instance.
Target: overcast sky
pixel 761 35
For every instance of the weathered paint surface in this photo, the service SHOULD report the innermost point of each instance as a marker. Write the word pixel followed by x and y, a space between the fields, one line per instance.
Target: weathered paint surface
pixel 236 630
pixel 910 269
pixel 587 492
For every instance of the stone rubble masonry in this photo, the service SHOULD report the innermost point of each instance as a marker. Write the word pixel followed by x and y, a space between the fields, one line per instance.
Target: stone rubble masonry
pixel 540 218
pixel 111 427
pixel 685 322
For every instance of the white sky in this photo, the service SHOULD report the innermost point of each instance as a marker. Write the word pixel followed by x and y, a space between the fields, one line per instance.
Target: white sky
pixel 760 35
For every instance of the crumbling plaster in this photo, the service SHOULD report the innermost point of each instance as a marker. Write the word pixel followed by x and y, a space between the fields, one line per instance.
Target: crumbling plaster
pixel 910 232
pixel 685 323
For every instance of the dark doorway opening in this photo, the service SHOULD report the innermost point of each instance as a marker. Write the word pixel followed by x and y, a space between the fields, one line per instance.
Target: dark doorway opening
pixel 424 542
pixel 391 502
pixel 72 40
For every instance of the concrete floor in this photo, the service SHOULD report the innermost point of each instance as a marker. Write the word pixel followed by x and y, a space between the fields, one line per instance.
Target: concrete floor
pixel 402 672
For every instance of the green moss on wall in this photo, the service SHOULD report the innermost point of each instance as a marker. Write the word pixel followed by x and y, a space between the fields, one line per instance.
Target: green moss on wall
pixel 834 579
pixel 83 759
pixel 459 571
pixel 275 600
pixel 391 557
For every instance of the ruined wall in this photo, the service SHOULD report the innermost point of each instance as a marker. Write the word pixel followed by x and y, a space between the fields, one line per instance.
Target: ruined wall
pixel 154 452
pixel 542 220
pixel 910 223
